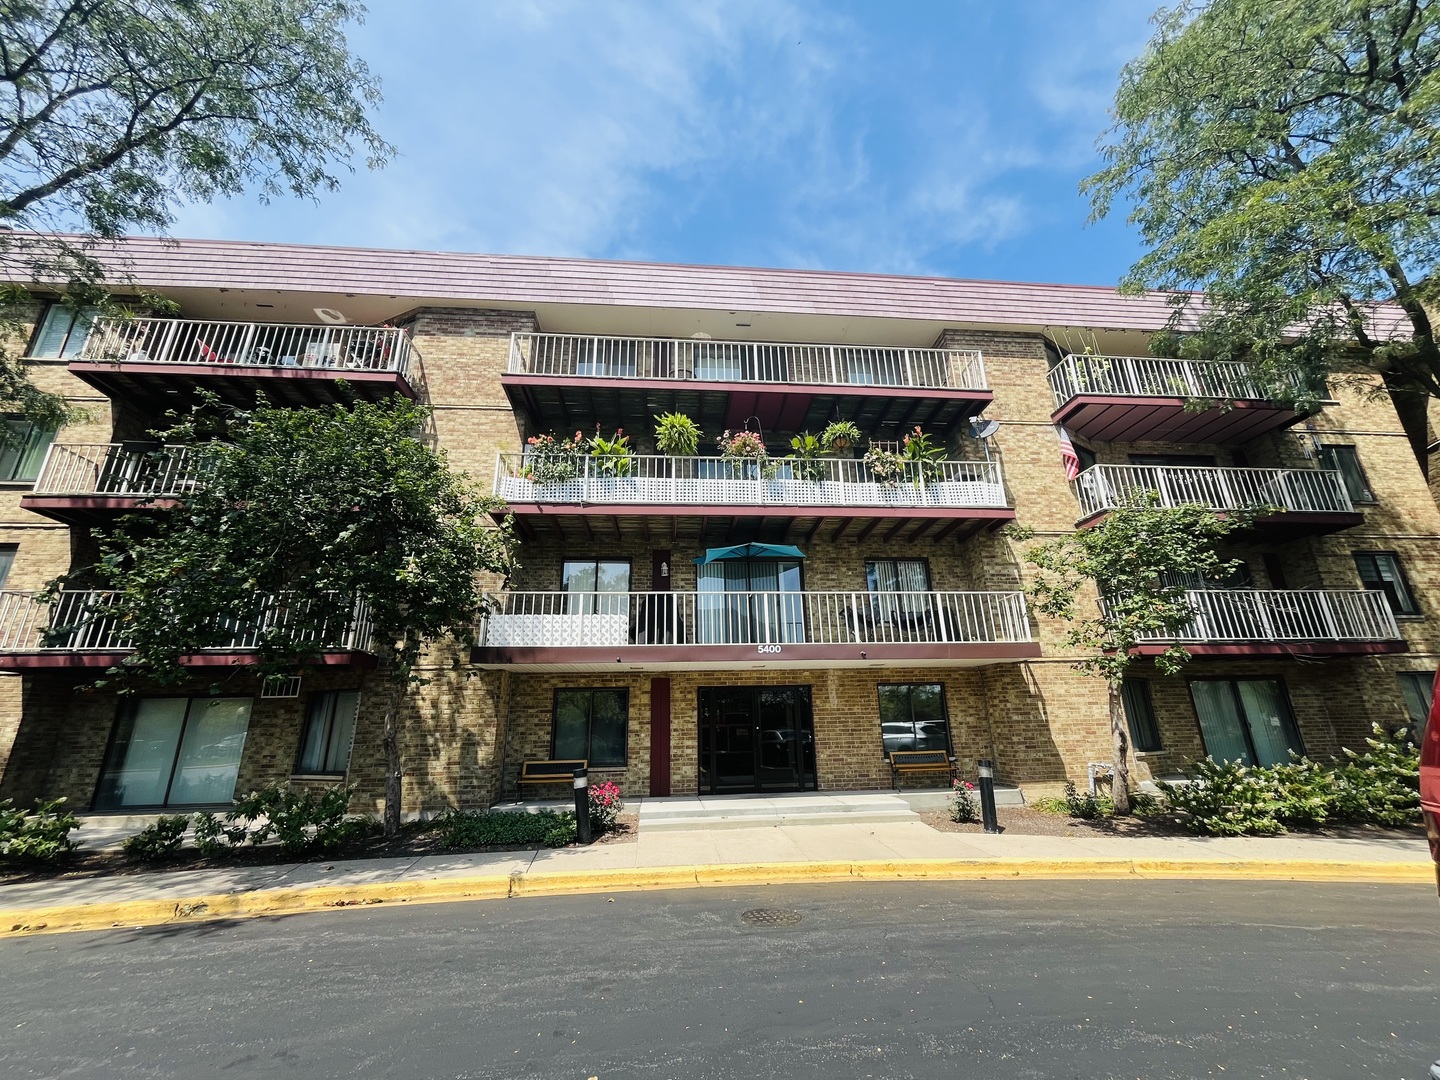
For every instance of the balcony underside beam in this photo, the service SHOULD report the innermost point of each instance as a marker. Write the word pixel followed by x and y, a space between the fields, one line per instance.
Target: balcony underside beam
pixel 239 385
pixel 1159 419
pixel 748 657
pixel 568 403
pixel 58 658
pixel 1277 528
pixel 1239 649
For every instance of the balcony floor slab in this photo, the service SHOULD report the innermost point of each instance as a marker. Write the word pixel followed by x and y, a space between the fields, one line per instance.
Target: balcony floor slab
pixel 1277 528
pixel 748 657
pixel 171 384
pixel 53 659
pixel 1106 418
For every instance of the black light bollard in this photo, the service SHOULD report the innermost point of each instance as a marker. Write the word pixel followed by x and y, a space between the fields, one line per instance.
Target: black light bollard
pixel 582 806
pixel 987 795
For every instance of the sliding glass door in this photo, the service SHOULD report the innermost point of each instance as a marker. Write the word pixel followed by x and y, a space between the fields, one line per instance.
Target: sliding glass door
pixel 744 601
pixel 175 751
pixel 1247 720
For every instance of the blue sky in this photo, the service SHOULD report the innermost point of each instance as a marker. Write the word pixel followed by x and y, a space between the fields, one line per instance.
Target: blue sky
pixel 907 136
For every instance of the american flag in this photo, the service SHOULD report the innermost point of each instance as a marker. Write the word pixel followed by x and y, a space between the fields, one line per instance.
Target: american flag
pixel 1068 457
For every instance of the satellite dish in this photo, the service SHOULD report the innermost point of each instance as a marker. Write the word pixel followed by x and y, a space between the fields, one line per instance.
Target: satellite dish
pixel 330 315
pixel 981 428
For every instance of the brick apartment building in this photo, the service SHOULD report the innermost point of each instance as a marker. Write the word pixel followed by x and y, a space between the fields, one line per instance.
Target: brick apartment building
pixel 640 632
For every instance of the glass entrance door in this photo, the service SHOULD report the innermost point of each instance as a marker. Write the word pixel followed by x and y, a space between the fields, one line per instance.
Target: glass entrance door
pixel 1246 720
pixel 756 738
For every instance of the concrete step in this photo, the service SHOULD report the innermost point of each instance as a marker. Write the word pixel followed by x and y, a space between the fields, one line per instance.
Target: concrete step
pixel 759 811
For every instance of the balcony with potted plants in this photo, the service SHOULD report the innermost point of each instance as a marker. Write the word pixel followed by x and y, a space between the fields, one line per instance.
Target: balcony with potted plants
pixel 556 381
pixel 1145 398
pixel 158 359
pixel 575 487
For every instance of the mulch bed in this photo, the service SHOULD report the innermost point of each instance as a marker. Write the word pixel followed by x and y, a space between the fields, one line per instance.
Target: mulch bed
pixel 413 841
pixel 1026 821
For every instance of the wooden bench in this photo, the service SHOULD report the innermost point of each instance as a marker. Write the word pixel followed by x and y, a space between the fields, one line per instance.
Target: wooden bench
pixel 915 761
pixel 550 772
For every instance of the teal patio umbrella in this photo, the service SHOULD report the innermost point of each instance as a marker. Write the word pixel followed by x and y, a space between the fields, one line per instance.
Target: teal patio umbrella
pixel 750 551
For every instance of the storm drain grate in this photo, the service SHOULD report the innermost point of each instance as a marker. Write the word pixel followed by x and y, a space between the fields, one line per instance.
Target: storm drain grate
pixel 770 916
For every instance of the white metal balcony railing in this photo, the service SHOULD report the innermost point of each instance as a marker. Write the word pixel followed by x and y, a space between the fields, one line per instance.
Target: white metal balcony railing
pixel 82 624
pixel 1259 615
pixel 247 344
pixel 1103 487
pixel 691 360
pixel 117 469
pixel 669 481
pixel 554 619
pixel 1148 376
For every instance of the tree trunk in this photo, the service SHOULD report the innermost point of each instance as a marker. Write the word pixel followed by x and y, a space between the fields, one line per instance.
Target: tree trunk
pixel 391 743
pixel 1120 741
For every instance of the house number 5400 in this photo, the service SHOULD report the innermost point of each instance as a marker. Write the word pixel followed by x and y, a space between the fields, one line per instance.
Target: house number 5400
pixel 769 648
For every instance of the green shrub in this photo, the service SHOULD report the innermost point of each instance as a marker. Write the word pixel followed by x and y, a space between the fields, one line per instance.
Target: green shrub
pixel 41 834
pixel 1225 799
pixel 477 828
pixel 305 821
pixel 1089 806
pixel 1050 805
pixel 1382 785
pixel 962 802
pixel 212 837
pixel 159 841
pixel 1303 791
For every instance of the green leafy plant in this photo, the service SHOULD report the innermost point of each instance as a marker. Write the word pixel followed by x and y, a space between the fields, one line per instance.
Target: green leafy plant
pixel 676 435
pixel 613 456
pixel 1049 804
pixel 963 806
pixel 1088 806
pixel 920 450
pixel 806 457
pixel 1381 785
pixel 1225 798
pixel 886 466
pixel 159 841
pixel 40 834
pixel 480 828
pixel 550 459
pixel 213 837
pixel 605 806
pixel 745 451
pixel 839 435
pixel 1137 558
pixel 305 821
pixel 368 517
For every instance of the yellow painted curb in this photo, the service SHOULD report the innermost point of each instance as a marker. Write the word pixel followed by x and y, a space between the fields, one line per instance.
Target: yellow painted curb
pixel 130 914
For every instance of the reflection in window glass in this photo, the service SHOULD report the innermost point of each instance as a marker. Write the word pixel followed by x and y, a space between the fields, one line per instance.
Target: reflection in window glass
pixel 912 717
pixel 591 725
pixel 329 733
pixel 174 751
pixel 22 450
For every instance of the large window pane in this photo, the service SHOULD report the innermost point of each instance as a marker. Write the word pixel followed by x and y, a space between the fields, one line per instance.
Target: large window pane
pixel 1140 714
pixel 591 725
pixel 1220 721
pixel 1380 570
pixel 1417 686
pixel 329 733
pixel 1346 461
pixel 572 724
pixel 209 757
pixel 608 720
pixel 1268 718
pixel 142 755
pixel 62 332
pixel 912 717
pixel 22 451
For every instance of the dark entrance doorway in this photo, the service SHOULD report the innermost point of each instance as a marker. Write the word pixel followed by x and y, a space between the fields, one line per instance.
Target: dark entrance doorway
pixel 756 738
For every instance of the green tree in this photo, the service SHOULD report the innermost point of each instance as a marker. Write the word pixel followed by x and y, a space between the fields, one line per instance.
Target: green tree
pixel 1137 557
pixel 113 112
pixel 300 524
pixel 1283 157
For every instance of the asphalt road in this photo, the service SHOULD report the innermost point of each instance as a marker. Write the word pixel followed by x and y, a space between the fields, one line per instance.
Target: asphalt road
pixel 1011 979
